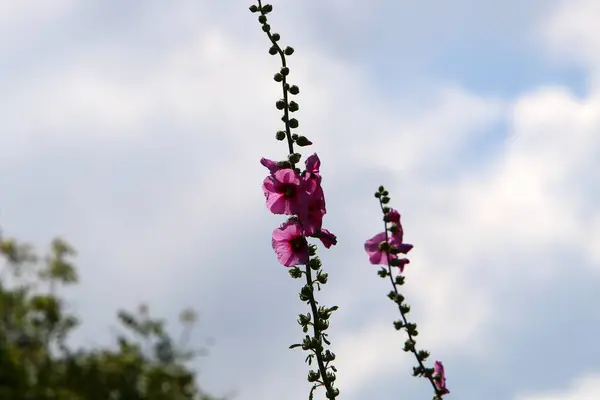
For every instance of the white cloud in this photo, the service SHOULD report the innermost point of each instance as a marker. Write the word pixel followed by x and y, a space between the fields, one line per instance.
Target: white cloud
pixel 584 388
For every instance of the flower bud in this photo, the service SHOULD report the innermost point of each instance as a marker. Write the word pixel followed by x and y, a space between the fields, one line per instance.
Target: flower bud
pixel 253 8
pixel 273 50
pixel 262 19
pixel 313 376
pixel 288 51
pixel 294 158
pixel 278 77
pixel 285 71
pixel 322 278
pixel 267 8
pixel 293 123
pixel 294 90
pixel 275 37
pixel 266 28
pixel 302 141
pixel 280 104
pixel 280 135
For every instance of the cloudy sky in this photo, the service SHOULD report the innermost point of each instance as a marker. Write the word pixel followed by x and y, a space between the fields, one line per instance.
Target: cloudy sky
pixel 134 130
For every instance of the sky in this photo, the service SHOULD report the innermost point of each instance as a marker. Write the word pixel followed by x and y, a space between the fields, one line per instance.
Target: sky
pixel 135 129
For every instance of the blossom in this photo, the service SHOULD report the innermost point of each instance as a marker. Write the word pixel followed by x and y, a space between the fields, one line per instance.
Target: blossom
pixel 290 244
pixel 285 192
pixel 270 164
pixel 313 163
pixel 312 216
pixel 311 174
pixel 393 216
pixel 439 378
pixel 327 238
pixel 378 256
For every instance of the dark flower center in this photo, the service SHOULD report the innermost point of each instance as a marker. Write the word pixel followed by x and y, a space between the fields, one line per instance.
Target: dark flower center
pixel 298 243
pixel 289 191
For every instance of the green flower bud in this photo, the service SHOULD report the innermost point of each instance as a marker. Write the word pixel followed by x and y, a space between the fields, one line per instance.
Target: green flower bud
pixel 294 90
pixel 262 19
pixel 322 278
pixel 278 77
pixel 293 123
pixel 253 8
pixel 294 158
pixel 266 28
pixel 313 376
pixel 280 135
pixel 275 37
pixel 280 104
pixel 285 71
pixel 267 8
pixel 273 50
pixel 288 51
pixel 293 106
pixel 302 141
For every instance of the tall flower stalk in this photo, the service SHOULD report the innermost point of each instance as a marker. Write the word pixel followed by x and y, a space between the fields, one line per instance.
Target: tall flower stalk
pixel 299 195
pixel 384 249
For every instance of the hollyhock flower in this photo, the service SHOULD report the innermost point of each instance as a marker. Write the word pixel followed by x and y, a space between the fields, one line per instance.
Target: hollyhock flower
pixel 393 216
pixel 311 174
pixel 439 377
pixel 377 256
pixel 327 238
pixel 290 244
pixel 285 192
pixel 312 215
pixel 270 164
pixel 313 163
pixel 396 240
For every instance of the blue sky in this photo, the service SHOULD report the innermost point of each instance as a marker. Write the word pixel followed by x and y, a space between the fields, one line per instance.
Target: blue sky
pixel 134 131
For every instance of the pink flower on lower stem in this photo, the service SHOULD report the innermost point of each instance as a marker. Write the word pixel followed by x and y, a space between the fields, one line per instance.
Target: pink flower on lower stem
pixel 285 192
pixel 290 244
pixel 378 256
pixel 439 378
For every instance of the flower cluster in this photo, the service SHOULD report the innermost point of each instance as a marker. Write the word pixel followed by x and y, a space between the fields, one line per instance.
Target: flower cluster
pixel 301 196
pixel 383 249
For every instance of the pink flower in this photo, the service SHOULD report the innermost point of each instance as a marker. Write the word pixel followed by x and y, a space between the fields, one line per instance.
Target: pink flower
pixel 290 244
pixel 285 192
pixel 313 163
pixel 393 216
pixel 377 256
pixel 439 378
pixel 312 215
pixel 327 238
pixel 270 164
pixel 311 174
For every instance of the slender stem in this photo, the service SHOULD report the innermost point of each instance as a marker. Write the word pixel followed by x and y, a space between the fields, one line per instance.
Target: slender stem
pixel 325 380
pixel 284 85
pixel 402 314
pixel 317 333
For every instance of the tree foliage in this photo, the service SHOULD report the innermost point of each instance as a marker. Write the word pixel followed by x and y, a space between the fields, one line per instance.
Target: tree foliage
pixel 37 363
